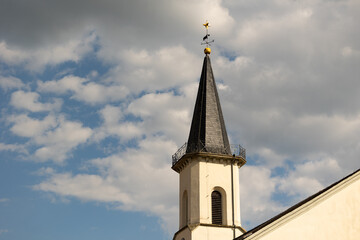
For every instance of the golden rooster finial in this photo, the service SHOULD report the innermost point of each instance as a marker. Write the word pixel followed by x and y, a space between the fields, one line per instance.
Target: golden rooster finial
pixel 206 25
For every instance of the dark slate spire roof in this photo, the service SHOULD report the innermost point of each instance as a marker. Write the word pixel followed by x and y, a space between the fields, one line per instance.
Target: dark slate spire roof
pixel 208 132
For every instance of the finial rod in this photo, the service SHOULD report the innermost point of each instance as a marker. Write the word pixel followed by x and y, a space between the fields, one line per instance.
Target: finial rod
pixel 206 39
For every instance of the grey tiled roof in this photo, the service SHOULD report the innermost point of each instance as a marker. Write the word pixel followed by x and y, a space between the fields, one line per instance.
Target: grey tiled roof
pixel 208 132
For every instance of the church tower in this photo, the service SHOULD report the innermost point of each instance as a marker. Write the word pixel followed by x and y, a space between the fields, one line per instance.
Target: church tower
pixel 209 196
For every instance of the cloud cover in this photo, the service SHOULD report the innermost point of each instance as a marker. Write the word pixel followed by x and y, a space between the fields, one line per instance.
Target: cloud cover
pixel 288 73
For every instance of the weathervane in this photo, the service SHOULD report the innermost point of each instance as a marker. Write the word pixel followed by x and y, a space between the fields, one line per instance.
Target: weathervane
pixel 206 39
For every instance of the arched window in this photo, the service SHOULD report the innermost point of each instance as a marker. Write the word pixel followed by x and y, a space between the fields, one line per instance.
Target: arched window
pixel 216 206
pixel 184 209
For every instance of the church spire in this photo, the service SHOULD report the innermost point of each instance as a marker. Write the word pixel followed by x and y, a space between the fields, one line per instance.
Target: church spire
pixel 208 132
pixel 209 199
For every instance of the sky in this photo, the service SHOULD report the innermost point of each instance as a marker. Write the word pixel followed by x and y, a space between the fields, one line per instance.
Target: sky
pixel 96 96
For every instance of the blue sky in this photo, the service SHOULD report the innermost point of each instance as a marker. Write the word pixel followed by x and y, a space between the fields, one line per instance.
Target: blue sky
pixel 96 97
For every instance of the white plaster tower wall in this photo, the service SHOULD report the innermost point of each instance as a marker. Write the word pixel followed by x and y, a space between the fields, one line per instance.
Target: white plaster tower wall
pixel 217 176
pixel 200 175
pixel 199 179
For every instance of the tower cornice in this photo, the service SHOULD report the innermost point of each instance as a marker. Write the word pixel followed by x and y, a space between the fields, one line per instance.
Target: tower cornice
pixel 208 157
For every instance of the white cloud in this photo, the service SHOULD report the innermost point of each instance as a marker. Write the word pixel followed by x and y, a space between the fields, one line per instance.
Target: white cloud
pixel 57 143
pixel 95 93
pixel 30 101
pixel 45 171
pixel 51 55
pixel 115 125
pixel 162 69
pixel 25 126
pixel 62 86
pixel 256 190
pixel 163 113
pixel 10 82
pixel 271 28
pixel 85 187
pixel 125 180
pixel 111 115
pixel 2 231
pixel 84 90
pixel 12 147
pixel 311 176
pixel 11 56
pixel 3 200
pixel 349 52
pixel 271 158
pixel 53 136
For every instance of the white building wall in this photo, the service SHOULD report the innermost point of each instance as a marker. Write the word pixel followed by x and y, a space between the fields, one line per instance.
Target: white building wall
pixel 332 215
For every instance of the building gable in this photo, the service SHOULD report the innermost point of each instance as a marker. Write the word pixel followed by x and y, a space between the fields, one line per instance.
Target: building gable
pixel 333 213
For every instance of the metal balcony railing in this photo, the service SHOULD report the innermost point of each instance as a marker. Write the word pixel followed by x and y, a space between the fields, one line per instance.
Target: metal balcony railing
pixel 179 153
pixel 236 150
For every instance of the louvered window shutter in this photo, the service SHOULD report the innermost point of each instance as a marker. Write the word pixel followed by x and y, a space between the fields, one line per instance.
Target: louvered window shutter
pixel 216 207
